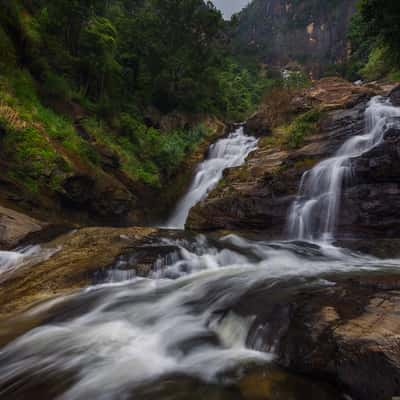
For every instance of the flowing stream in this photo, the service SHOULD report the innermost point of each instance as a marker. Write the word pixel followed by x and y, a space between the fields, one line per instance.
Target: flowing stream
pixel 182 332
pixel 313 216
pixel 228 152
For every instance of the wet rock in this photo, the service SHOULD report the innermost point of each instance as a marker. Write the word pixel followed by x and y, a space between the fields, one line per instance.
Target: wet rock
pixel 395 96
pixel 15 227
pixel 81 253
pixel 371 199
pixel 345 333
pixel 348 334
pixel 258 195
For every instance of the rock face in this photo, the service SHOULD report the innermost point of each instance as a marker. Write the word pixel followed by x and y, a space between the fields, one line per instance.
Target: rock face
pixel 371 201
pixel 346 333
pixel 311 32
pixel 258 195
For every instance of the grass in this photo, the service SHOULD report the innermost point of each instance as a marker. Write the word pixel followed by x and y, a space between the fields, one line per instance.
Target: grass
pixel 302 126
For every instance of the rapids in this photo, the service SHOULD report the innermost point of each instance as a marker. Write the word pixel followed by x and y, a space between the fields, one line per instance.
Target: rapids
pixel 112 339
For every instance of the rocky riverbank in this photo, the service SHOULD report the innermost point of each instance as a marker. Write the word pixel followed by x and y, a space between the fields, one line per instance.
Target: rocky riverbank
pixel 258 195
pixel 345 333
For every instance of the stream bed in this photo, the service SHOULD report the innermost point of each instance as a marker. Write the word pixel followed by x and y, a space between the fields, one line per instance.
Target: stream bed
pixel 180 333
pixel 192 328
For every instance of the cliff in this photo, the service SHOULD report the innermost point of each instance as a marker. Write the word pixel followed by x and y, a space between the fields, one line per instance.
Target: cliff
pixel 310 32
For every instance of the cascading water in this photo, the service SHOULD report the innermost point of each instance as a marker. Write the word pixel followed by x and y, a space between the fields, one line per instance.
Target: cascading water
pixel 314 213
pixel 225 153
pixel 180 332
pixel 114 341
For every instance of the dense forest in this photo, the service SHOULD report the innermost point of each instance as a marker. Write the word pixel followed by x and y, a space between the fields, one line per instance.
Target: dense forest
pixel 108 71
pixel 375 36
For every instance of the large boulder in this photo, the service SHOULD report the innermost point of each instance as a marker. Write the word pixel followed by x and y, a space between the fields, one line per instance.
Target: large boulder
pixel 345 332
pixel 348 333
pixel 15 227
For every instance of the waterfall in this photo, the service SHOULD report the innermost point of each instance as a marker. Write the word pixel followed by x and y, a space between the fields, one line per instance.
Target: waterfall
pixel 313 215
pixel 229 152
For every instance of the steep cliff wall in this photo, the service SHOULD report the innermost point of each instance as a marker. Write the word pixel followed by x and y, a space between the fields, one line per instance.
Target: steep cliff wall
pixel 312 32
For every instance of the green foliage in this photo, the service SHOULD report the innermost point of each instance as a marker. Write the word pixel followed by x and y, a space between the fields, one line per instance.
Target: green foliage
pixel 375 37
pixel 377 65
pixel 303 125
pixel 113 60
pixel 124 55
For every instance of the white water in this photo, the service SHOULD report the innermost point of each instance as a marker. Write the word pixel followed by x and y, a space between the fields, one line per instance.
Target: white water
pixel 314 214
pixel 11 260
pixel 111 339
pixel 116 338
pixel 225 153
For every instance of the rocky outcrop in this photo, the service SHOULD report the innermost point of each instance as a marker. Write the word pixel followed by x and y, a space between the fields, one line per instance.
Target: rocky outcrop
pixel 372 199
pixel 78 256
pixel 15 227
pixel 344 332
pixel 258 195
pixel 311 32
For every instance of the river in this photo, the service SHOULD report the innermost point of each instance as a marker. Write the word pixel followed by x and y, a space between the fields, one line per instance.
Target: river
pixel 180 333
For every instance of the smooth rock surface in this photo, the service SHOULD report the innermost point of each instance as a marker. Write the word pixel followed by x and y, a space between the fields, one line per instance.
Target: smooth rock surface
pixel 15 227
pixel 78 256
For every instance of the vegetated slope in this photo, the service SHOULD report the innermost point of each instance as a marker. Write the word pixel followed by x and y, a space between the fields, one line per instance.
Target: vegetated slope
pixel 103 101
pixel 310 32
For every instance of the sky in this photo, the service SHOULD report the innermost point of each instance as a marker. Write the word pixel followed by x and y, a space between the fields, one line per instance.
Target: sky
pixel 229 7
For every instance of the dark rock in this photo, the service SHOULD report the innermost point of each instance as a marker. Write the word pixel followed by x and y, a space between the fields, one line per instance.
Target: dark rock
pixel 109 159
pixel 395 96
pixel 78 190
pixel 346 333
pixel 114 201
pixel 259 194
pixel 257 126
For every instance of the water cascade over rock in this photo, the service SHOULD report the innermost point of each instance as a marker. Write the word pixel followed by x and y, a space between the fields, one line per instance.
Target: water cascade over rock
pixel 226 153
pixel 314 213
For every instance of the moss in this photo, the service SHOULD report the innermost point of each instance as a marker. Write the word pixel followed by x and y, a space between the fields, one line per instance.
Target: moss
pixel 305 164
pixel 302 126
pixel 35 161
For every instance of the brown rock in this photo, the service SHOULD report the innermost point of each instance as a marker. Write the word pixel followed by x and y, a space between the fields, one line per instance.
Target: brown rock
pixel 15 227
pixel 80 254
pixel 349 334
